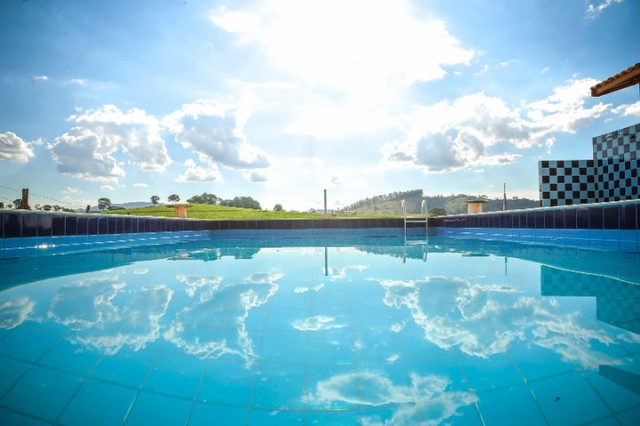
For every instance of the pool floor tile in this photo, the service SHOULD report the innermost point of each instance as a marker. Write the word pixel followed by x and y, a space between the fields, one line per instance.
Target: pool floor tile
pixel 99 403
pixel 10 371
pixel 629 417
pixel 503 406
pixel 618 387
pixel 277 418
pixel 279 386
pixel 42 392
pixel 226 382
pixel 494 372
pixel 208 414
pixel 157 410
pixel 8 417
pixel 175 375
pixel 125 368
pixel 71 358
pixel 284 346
pixel 27 343
pixel 569 398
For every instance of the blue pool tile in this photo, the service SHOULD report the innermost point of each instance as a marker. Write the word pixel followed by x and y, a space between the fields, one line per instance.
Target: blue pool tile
pixel 503 406
pixel 330 346
pixel 71 358
pixel 629 417
pixel 617 386
pixel 284 346
pixel 26 343
pixel 279 417
pixel 494 372
pixel 226 382
pixel 569 398
pixel 10 371
pixel 329 417
pixel 378 346
pixel 8 417
pixel 42 392
pixel 99 403
pixel 125 368
pixel 279 386
pixel 175 375
pixel 207 414
pixel 154 409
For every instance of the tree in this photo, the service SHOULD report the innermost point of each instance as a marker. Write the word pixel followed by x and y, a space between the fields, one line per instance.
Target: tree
pixel 278 208
pixel 1 205
pixel 242 202
pixel 174 198
pixel 205 198
pixel 104 203
pixel 155 200
pixel 437 211
pixel 17 203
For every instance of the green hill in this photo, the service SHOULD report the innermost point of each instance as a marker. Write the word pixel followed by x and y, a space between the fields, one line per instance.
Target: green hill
pixel 452 204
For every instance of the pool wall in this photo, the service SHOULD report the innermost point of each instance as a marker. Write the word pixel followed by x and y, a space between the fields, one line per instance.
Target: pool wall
pixel 607 226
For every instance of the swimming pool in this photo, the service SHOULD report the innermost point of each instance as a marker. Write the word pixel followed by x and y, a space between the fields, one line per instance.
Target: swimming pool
pixel 309 331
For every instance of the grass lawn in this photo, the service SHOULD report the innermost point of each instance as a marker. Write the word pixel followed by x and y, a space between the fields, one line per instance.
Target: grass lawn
pixel 208 211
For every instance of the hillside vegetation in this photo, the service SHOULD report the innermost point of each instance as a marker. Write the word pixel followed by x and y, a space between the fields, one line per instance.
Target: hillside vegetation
pixel 439 204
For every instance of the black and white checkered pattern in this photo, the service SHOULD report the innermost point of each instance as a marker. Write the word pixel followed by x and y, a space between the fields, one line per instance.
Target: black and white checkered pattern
pixel 612 175
pixel 567 182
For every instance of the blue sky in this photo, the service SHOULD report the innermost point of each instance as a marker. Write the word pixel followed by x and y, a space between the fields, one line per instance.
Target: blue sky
pixel 281 99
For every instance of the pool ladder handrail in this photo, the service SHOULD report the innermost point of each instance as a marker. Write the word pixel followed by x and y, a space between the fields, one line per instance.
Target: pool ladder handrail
pixel 422 219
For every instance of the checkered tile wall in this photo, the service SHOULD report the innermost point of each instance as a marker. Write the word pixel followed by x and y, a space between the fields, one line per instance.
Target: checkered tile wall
pixel 612 175
pixel 567 182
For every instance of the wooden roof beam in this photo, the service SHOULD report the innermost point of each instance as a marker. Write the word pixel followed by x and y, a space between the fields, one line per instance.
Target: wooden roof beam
pixel 622 80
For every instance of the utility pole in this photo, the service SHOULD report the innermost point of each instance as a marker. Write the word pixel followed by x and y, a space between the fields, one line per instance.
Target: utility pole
pixel 504 197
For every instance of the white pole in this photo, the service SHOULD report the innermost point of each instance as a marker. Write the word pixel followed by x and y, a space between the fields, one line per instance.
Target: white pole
pixel 325 203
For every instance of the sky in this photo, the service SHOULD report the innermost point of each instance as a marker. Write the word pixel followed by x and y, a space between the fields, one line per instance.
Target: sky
pixel 281 99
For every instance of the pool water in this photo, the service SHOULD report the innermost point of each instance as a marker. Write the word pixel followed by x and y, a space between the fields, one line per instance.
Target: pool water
pixel 371 332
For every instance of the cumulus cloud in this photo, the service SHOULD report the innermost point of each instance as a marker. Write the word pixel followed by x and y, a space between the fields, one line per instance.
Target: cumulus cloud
pixel 13 148
pixel 317 323
pixel 119 315
pixel 427 397
pixel 464 133
pixel 140 185
pixel 40 78
pixel 215 132
pixel 628 110
pixel 88 150
pixel 595 9
pixel 195 173
pixel 14 312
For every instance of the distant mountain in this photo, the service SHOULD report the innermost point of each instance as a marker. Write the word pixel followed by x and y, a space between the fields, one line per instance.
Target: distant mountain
pixel 130 205
pixel 452 204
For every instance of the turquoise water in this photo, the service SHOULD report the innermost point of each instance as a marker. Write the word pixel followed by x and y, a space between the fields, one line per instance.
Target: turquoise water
pixel 368 332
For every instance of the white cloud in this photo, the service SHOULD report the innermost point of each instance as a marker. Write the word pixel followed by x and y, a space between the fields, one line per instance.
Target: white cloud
pixel 628 110
pixel 70 190
pixel 317 323
pixel 13 148
pixel 140 185
pixel 427 397
pixel 14 312
pixel 88 150
pixel 40 78
pixel 107 188
pixel 215 132
pixel 595 9
pixel 195 173
pixel 459 134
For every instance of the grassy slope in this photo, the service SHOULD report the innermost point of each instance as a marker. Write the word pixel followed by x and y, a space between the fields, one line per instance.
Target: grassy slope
pixel 208 211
